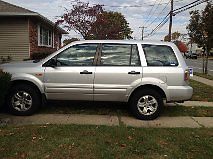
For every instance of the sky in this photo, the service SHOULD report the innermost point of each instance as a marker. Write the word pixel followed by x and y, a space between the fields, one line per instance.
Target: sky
pixel 148 13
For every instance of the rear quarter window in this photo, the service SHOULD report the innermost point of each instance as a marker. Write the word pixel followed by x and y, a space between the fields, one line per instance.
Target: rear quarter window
pixel 159 55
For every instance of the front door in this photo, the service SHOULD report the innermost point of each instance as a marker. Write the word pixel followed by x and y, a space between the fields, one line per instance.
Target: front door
pixel 117 73
pixel 73 76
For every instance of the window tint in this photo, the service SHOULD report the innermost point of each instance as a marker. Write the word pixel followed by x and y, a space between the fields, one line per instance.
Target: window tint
pixel 78 55
pixel 159 55
pixel 119 55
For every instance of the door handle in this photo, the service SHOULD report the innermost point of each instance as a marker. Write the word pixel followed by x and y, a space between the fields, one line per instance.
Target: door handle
pixel 133 73
pixel 85 72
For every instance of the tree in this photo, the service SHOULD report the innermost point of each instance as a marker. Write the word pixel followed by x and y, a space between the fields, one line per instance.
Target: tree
pixel 68 41
pixel 111 25
pixel 201 32
pixel 92 22
pixel 80 17
pixel 175 36
pixel 181 46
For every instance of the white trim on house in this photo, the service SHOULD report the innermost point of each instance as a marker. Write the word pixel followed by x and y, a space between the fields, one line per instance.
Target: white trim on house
pixel 53 39
pixel 38 30
pixel 28 21
pixel 50 37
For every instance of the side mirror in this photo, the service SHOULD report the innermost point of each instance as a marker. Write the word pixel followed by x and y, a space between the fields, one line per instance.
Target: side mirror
pixel 52 62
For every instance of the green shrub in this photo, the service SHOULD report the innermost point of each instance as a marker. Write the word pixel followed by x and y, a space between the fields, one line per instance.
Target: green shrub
pixel 5 59
pixel 39 56
pixel 4 86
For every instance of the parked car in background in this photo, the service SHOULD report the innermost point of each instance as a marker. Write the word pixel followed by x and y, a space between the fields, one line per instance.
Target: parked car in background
pixel 140 73
pixel 191 55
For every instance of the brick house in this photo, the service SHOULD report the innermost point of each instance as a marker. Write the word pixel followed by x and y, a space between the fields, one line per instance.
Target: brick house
pixel 24 32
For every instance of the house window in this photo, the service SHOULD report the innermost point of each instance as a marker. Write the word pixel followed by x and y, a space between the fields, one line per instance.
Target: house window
pixel 44 36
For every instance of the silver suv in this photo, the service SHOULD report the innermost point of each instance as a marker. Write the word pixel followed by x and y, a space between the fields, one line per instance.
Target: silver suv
pixel 141 73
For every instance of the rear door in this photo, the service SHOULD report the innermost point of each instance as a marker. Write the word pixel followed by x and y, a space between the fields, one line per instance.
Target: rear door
pixel 162 64
pixel 118 71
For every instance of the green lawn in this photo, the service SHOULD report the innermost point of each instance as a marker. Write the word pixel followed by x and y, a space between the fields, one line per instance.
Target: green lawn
pixel 203 75
pixel 75 141
pixel 201 92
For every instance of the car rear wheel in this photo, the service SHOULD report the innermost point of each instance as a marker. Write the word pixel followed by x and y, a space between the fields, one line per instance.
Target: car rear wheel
pixel 23 100
pixel 146 104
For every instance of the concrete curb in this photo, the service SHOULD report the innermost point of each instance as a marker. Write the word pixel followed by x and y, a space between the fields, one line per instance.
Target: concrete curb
pixel 79 119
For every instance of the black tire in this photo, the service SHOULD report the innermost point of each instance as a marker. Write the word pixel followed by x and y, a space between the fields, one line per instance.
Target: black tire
pixel 33 94
pixel 146 93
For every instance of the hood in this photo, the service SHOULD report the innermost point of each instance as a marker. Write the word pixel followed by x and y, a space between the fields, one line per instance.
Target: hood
pixel 17 66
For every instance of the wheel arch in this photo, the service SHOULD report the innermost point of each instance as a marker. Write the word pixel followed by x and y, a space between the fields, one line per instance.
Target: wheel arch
pixel 148 86
pixel 26 82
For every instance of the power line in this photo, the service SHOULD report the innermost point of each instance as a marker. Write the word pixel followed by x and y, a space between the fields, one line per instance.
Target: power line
pixel 163 22
pixel 179 10
pixel 150 13
pixel 135 6
pixel 186 5
pixel 187 8
pixel 160 13
pixel 157 28
pixel 154 11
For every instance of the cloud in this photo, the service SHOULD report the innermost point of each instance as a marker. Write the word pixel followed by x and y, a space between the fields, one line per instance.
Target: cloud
pixel 146 13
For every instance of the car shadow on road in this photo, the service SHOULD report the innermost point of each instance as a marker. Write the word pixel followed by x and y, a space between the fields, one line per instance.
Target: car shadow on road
pixel 97 108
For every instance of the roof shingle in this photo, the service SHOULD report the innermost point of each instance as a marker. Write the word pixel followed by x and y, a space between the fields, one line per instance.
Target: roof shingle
pixel 7 7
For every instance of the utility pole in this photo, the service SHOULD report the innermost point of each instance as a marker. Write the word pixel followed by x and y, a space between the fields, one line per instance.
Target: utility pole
pixel 170 21
pixel 142 31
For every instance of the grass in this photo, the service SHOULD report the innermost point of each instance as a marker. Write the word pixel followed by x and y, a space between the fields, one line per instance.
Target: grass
pixel 188 111
pixel 201 92
pixel 204 75
pixel 75 141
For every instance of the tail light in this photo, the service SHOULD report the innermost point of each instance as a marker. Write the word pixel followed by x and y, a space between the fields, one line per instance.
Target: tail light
pixel 186 75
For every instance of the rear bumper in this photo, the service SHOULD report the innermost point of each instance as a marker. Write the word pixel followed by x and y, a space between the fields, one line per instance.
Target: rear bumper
pixel 179 93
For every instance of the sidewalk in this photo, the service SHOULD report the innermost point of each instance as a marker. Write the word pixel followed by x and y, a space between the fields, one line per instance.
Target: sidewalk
pixel 202 80
pixel 192 104
pixel 79 119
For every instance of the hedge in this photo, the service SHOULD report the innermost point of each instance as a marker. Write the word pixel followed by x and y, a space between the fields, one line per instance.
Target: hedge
pixel 4 86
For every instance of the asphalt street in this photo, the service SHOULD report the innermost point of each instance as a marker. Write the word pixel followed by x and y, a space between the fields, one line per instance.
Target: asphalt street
pixel 197 65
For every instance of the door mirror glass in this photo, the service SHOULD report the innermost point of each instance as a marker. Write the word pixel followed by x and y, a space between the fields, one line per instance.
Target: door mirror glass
pixel 52 62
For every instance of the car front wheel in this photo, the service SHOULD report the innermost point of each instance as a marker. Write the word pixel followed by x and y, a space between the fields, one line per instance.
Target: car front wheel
pixel 23 100
pixel 146 104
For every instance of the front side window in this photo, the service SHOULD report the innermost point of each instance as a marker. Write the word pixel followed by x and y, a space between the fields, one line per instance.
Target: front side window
pixel 159 55
pixel 77 55
pixel 119 55
pixel 45 36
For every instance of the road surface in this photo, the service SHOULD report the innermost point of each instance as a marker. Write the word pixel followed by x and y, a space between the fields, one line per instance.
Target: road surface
pixel 197 65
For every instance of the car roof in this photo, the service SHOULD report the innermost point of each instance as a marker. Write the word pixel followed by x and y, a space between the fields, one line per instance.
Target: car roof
pixel 125 42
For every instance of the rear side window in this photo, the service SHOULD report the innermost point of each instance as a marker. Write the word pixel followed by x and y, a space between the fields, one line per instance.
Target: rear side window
pixel 119 55
pixel 159 55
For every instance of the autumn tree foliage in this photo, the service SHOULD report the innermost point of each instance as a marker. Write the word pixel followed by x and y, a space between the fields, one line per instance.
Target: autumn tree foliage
pixel 68 41
pixel 111 25
pixel 80 17
pixel 175 36
pixel 200 30
pixel 181 46
pixel 92 22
